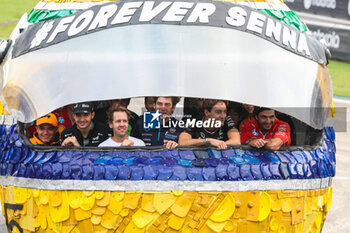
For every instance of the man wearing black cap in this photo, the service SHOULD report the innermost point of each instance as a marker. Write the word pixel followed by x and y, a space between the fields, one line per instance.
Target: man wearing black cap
pixel 84 132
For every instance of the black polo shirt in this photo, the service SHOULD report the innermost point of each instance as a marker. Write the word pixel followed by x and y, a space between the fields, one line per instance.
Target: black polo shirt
pixel 97 134
pixel 220 134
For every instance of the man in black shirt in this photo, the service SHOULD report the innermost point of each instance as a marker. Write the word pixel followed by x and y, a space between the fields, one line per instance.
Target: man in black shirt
pixel 84 132
pixel 219 132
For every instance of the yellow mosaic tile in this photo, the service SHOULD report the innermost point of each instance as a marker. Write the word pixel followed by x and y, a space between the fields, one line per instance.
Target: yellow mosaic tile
pixel 3 111
pixel 177 211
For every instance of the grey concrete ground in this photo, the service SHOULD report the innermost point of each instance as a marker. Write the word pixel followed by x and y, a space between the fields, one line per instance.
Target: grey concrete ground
pixel 338 216
pixel 338 219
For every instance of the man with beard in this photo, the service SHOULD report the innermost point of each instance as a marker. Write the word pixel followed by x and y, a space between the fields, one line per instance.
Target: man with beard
pixel 220 137
pixel 265 131
pixel 163 136
pixel 46 131
pixel 118 118
pixel 84 132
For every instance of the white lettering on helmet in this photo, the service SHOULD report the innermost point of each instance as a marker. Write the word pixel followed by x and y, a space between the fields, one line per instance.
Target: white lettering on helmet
pixel 273 29
pixel 177 11
pixel 126 12
pixel 103 15
pixel 201 12
pixel 80 23
pixel 61 27
pixel 256 22
pixel 148 12
pixel 302 44
pixel 289 37
pixel 236 16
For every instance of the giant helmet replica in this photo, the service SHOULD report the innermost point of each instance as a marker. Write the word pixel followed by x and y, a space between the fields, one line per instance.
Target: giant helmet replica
pixel 256 52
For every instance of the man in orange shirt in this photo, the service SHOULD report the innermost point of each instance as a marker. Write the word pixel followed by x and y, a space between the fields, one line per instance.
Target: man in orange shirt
pixel 46 131
pixel 265 131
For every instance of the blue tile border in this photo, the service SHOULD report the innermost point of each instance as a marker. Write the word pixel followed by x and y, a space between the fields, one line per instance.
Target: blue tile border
pixel 17 160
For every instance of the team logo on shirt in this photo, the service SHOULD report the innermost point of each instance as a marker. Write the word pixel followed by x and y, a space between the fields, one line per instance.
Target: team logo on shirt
pixel 151 120
pixel 282 128
pixel 254 132
pixel 61 120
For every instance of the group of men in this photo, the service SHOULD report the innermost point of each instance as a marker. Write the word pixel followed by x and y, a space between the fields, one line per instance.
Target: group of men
pixel 265 131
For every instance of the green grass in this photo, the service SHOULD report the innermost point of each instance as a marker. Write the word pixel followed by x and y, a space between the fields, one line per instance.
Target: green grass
pixel 5 31
pixel 340 73
pixel 14 9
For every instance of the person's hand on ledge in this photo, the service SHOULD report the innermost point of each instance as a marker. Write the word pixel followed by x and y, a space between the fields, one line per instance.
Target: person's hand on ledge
pixel 127 142
pixel 221 145
pixel 170 145
pixel 70 141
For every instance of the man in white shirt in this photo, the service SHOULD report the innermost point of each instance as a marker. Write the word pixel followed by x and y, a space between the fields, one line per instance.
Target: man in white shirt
pixel 118 118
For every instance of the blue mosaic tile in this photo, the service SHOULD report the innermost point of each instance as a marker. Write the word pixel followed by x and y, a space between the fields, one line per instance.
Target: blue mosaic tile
pixel 234 164
pixel 111 172
pixel 194 173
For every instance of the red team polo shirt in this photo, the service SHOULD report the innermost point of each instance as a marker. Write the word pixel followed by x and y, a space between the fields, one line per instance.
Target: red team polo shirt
pixel 279 129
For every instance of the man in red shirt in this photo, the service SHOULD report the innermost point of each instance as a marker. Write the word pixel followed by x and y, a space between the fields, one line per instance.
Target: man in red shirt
pixel 265 131
pixel 64 117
